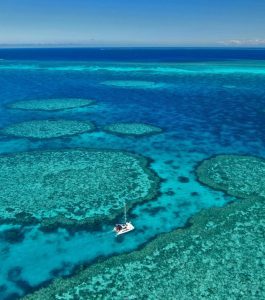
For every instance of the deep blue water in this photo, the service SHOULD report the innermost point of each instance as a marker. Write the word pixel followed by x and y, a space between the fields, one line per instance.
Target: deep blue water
pixel 132 54
pixel 209 101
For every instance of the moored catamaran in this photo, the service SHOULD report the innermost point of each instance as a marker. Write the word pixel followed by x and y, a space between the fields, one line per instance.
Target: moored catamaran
pixel 125 227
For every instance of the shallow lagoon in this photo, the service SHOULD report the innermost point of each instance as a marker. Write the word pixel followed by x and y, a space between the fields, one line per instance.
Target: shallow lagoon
pixel 216 111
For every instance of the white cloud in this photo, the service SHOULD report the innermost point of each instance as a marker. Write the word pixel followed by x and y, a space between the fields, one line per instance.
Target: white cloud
pixel 243 42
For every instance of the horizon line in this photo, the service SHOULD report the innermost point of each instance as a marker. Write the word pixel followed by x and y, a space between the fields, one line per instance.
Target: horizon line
pixel 69 45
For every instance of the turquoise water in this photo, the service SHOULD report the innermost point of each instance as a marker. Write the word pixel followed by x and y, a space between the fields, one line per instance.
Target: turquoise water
pixel 204 108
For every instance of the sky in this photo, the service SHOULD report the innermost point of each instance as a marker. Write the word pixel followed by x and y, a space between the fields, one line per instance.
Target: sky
pixel 133 22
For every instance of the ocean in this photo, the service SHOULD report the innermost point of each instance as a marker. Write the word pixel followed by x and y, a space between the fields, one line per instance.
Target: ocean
pixel 205 101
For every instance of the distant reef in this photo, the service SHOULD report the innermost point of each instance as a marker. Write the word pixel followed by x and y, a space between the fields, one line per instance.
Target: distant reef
pixel 237 175
pixel 55 104
pixel 45 129
pixel 72 187
pixel 135 84
pixel 220 256
pixel 132 129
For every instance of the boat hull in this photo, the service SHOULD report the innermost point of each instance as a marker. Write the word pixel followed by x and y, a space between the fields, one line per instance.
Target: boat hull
pixel 127 227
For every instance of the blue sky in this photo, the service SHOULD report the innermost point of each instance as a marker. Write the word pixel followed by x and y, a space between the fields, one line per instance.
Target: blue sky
pixel 133 22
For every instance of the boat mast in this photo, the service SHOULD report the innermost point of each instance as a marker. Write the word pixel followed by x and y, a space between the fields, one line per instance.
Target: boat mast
pixel 125 216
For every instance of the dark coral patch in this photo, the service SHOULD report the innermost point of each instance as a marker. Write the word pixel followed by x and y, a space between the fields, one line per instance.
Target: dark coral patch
pixel 12 235
pixel 183 179
pixel 3 288
pixel 194 194
pixel 154 210
pixel 175 167
pixel 169 162
pixel 170 193
pixel 14 273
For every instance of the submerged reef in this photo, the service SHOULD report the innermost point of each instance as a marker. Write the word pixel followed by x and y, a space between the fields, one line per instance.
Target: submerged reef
pixel 135 84
pixel 220 256
pixel 51 104
pixel 134 129
pixel 76 187
pixel 240 176
pixel 44 129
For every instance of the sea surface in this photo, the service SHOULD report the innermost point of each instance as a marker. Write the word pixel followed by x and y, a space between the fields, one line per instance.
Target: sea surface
pixel 207 101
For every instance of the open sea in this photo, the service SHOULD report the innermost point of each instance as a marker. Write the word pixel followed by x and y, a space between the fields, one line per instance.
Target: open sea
pixel 206 101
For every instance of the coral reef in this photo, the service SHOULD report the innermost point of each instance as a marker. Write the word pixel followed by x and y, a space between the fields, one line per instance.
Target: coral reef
pixel 135 129
pixel 240 176
pixel 78 186
pixel 220 256
pixel 135 84
pixel 44 129
pixel 51 104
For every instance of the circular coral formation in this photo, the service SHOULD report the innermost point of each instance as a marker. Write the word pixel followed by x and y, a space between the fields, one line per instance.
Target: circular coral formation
pixel 221 256
pixel 45 129
pixel 136 129
pixel 51 104
pixel 240 176
pixel 134 84
pixel 72 186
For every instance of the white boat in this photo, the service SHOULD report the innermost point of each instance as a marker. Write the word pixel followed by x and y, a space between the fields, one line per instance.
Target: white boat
pixel 123 227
